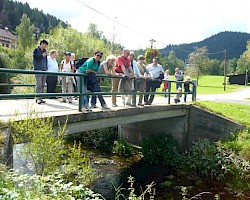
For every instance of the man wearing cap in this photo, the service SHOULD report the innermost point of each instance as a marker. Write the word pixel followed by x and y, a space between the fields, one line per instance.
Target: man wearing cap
pixel 67 81
pixel 155 70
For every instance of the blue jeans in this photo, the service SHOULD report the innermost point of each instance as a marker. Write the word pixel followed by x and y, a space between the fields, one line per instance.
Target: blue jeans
pixel 100 97
pixel 178 85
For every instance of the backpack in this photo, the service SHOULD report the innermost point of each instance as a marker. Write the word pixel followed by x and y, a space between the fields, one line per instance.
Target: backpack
pixel 79 62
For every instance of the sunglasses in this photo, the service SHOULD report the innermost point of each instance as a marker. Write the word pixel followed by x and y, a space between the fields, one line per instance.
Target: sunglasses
pixel 99 55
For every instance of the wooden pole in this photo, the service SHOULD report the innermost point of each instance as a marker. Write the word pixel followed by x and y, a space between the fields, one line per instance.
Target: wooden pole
pixel 225 64
pixel 152 42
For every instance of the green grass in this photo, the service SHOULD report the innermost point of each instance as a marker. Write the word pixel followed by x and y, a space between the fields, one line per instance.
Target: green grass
pixel 214 85
pixel 237 112
pixel 210 85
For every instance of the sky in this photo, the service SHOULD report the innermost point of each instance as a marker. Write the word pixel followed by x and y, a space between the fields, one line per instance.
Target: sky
pixel 135 22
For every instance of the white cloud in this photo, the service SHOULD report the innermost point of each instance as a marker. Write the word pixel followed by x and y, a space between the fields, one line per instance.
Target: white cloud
pixel 168 22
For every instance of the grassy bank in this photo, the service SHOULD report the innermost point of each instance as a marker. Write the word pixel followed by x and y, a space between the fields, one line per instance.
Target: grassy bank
pixel 236 112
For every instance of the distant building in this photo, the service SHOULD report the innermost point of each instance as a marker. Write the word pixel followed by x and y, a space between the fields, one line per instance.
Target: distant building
pixel 7 39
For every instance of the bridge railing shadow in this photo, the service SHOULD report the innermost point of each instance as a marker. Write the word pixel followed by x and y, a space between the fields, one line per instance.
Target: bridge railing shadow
pixel 80 92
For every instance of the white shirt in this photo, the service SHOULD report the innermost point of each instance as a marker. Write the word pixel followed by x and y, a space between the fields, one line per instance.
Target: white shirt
pixel 52 64
pixel 166 76
pixel 155 70
pixel 66 66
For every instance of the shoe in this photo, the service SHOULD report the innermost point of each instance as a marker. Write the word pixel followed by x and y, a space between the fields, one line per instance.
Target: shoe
pixel 93 106
pixel 85 110
pixel 42 101
pixel 114 105
pixel 105 107
pixel 38 101
pixel 147 103
pixel 63 101
pixel 140 104
pixel 130 104
pixel 89 108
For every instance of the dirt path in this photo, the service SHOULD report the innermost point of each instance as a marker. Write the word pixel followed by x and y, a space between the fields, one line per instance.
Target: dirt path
pixel 240 97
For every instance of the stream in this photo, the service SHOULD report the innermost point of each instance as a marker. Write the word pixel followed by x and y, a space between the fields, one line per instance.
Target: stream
pixel 113 171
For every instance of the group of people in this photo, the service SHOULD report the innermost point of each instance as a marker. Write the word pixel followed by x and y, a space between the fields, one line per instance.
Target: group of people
pixel 179 77
pixel 44 62
pixel 124 65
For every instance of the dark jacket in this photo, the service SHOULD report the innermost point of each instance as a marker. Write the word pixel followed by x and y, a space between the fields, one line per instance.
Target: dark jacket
pixel 92 82
pixel 187 86
pixel 40 61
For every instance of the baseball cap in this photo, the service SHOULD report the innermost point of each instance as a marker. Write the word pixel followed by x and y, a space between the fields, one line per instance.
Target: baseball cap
pixel 67 54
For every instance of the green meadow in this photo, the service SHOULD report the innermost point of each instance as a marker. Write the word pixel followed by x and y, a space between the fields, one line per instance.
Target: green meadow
pixel 211 85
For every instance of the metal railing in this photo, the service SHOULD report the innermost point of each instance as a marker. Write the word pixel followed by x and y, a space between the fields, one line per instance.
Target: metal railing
pixel 80 92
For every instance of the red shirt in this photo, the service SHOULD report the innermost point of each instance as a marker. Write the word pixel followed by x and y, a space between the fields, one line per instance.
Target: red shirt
pixel 121 60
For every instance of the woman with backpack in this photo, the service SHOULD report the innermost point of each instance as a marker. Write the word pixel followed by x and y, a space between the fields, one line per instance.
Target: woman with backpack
pixel 91 83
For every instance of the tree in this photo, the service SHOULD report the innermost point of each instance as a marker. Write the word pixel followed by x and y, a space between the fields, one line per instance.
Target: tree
pixel 151 53
pixel 25 33
pixel 243 62
pixel 171 62
pixel 198 60
pixel 215 67
pixel 94 31
pixel 5 62
pixel 232 65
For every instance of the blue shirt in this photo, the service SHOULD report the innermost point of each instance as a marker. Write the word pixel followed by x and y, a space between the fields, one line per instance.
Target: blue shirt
pixel 136 69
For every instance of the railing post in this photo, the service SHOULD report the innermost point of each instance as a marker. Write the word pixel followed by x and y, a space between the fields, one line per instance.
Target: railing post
pixel 80 90
pixel 169 91
pixel 135 91
pixel 9 85
pixel 194 93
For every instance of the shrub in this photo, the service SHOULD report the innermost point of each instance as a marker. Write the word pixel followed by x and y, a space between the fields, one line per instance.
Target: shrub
pixel 43 141
pixel 206 159
pixel 240 143
pixel 18 187
pixel 4 63
pixel 161 149
pixel 122 148
pixel 101 138
pixel 77 167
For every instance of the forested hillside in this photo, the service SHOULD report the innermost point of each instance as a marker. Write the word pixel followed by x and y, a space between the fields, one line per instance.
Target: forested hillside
pixel 11 13
pixel 233 42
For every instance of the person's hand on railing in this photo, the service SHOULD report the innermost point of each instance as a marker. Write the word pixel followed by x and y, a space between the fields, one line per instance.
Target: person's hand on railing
pixel 119 74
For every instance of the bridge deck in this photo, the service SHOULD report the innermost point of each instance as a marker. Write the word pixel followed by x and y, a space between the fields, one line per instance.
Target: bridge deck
pixel 18 109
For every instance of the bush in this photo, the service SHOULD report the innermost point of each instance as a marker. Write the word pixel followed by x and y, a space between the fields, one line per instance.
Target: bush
pixel 240 143
pixel 122 148
pixel 206 159
pixel 101 138
pixel 4 63
pixel 161 149
pixel 18 187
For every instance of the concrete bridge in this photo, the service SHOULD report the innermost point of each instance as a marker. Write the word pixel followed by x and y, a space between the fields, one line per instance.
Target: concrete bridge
pixel 185 122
